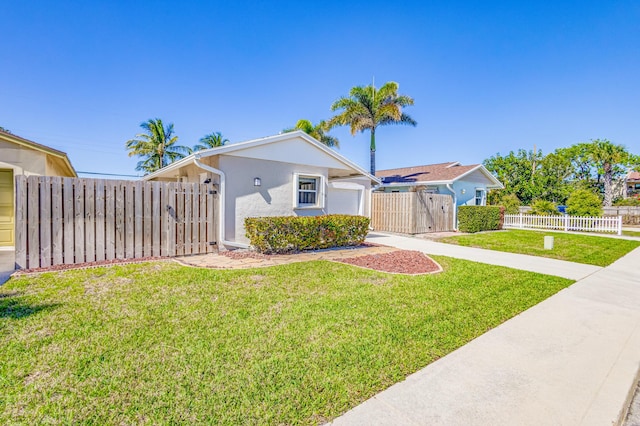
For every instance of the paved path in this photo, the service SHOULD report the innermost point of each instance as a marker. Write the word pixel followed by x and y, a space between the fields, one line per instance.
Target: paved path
pixel 7 264
pixel 570 360
pixel 560 268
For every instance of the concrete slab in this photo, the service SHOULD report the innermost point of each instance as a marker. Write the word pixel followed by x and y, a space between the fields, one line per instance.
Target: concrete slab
pixel 560 268
pixel 570 360
pixel 7 264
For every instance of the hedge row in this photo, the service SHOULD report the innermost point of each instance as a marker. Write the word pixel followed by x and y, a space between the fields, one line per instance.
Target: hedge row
pixel 281 234
pixel 480 218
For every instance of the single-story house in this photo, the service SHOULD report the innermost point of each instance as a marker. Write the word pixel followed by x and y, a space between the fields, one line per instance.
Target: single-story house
pixel 632 183
pixel 19 156
pixel 290 174
pixel 468 185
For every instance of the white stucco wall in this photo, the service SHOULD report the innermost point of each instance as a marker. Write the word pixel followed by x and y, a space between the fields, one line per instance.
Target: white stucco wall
pixel 275 197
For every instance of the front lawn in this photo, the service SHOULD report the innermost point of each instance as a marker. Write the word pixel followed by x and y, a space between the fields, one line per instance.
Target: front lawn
pixel 158 343
pixel 592 250
pixel 631 233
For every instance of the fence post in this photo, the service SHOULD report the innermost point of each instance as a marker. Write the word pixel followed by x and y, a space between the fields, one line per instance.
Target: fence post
pixel 566 222
pixel 619 225
pixel 520 220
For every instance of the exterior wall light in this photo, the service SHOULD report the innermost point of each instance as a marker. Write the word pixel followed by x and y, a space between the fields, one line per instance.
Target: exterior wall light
pixel 257 181
pixel 462 191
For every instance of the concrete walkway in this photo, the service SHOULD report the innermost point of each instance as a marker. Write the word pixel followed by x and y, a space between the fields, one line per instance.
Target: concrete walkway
pixel 560 268
pixel 572 359
pixel 7 264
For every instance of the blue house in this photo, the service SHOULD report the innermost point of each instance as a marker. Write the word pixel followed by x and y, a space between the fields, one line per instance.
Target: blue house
pixel 468 185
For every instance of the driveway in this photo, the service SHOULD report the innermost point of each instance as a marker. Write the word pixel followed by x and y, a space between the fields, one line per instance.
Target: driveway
pixel 7 264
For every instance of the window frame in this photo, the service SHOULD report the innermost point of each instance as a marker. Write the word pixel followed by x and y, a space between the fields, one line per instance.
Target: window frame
pixel 319 191
pixel 483 197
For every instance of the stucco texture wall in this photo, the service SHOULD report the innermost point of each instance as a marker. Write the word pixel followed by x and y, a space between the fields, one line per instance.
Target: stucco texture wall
pixel 23 161
pixel 275 196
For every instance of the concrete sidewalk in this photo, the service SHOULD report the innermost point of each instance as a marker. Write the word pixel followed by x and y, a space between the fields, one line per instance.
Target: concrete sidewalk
pixel 572 359
pixel 560 268
pixel 7 264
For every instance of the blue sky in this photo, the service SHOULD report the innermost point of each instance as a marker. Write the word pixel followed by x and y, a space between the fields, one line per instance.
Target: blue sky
pixel 486 76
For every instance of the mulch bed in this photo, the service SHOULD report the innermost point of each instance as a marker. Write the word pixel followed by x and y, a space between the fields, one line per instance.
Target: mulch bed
pixel 398 262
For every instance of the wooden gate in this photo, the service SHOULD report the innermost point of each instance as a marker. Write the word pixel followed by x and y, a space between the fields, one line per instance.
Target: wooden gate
pixel 411 212
pixel 72 221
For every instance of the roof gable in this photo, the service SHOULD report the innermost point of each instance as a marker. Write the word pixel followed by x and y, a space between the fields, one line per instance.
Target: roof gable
pixel 293 150
pixel 436 174
pixel 298 147
pixel 53 153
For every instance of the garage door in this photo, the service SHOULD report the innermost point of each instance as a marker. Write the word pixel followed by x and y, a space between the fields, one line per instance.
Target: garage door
pixel 344 201
pixel 6 208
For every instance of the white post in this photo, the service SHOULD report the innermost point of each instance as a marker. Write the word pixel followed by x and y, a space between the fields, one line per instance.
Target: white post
pixel 520 220
pixel 619 225
pixel 566 222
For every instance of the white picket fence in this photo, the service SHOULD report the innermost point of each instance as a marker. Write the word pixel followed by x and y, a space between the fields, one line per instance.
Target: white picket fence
pixel 564 223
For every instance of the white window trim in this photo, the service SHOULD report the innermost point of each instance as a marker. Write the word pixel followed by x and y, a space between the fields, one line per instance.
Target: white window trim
pixel 483 198
pixel 320 191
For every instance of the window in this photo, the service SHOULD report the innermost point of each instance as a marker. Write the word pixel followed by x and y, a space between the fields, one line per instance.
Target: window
pixel 479 197
pixel 308 191
pixel 637 185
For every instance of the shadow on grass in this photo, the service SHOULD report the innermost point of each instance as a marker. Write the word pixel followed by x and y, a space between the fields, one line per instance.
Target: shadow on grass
pixel 13 308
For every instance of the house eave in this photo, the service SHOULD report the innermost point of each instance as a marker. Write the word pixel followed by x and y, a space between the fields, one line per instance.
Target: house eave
pixel 258 142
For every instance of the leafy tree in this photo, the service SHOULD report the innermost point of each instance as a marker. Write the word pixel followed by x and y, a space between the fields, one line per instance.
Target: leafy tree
pixel 583 202
pixel 4 130
pixel 517 171
pixel 367 107
pixel 544 208
pixel 157 146
pixel 212 140
pixel 554 178
pixel 317 131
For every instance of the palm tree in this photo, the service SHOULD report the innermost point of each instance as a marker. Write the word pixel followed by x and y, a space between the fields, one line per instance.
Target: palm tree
pixel 366 108
pixel 212 140
pixel 317 132
pixel 609 159
pixel 157 146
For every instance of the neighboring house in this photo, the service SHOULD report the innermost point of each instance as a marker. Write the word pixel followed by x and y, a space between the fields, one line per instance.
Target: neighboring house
pixel 290 174
pixel 468 185
pixel 632 183
pixel 19 156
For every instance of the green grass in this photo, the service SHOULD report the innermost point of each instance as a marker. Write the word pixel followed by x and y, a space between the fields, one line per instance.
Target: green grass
pixel 296 344
pixel 631 233
pixel 592 250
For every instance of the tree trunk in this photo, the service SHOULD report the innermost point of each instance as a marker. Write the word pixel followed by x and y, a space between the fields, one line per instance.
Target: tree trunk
pixel 373 152
pixel 608 186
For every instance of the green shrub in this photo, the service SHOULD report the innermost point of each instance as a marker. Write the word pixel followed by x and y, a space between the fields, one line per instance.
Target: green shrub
pixel 480 218
pixel 583 202
pixel 511 204
pixel 281 234
pixel 543 208
pixel 631 201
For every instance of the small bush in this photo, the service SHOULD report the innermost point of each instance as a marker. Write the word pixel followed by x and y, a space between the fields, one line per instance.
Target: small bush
pixel 544 208
pixel 511 204
pixel 480 218
pixel 281 234
pixel 583 202
pixel 631 201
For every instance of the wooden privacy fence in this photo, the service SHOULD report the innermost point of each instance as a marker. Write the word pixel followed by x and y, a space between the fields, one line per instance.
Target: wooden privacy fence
pixel 71 221
pixel 564 223
pixel 411 212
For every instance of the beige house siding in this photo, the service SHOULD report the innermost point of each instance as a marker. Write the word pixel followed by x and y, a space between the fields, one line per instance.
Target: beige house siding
pixel 23 161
